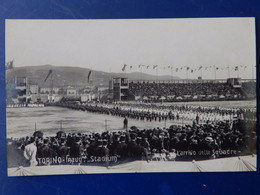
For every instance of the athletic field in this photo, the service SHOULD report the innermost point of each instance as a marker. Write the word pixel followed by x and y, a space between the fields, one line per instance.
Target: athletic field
pixel 23 122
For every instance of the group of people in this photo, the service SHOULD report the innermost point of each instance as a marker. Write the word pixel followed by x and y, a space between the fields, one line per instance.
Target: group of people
pixel 189 91
pixel 184 143
pixel 155 112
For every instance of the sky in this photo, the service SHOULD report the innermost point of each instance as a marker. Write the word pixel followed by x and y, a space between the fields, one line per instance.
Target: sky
pixel 106 45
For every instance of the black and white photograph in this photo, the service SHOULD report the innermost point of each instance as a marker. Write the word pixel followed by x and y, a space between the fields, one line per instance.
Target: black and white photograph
pixel 130 96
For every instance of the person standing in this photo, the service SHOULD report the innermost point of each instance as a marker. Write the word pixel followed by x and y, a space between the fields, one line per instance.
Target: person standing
pixel 76 148
pixel 125 123
pixel 197 119
pixel 30 152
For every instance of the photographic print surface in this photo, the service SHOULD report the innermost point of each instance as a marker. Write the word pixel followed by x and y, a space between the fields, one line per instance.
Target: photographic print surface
pixel 127 96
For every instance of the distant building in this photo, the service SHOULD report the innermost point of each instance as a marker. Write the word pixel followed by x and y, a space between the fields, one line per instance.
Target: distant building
pixel 33 89
pixel 38 98
pixel 87 97
pixel 102 89
pixel 121 89
pixel 47 90
pixel 21 90
pixel 72 92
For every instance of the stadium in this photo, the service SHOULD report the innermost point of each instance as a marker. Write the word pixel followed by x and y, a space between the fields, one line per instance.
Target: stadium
pixel 176 123
pixel 157 95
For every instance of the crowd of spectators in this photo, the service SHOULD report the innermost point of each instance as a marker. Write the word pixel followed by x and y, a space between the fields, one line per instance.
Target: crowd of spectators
pixel 187 91
pixel 183 143
pixel 249 88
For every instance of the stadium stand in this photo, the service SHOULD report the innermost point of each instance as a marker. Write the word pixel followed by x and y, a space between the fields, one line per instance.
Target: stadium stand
pixel 192 91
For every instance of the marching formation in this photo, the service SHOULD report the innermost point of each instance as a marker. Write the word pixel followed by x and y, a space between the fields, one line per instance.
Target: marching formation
pixel 155 112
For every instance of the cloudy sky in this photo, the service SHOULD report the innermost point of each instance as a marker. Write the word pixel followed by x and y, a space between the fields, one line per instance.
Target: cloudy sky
pixel 109 44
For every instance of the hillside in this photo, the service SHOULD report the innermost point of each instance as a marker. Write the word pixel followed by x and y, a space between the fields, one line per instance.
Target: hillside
pixel 72 75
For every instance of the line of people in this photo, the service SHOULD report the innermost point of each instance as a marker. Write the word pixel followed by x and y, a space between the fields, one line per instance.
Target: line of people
pixel 154 112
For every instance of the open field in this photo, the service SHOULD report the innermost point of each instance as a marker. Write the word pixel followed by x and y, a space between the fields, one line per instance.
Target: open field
pixel 21 121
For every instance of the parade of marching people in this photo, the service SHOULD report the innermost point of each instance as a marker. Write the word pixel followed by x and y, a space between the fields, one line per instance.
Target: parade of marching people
pixel 185 120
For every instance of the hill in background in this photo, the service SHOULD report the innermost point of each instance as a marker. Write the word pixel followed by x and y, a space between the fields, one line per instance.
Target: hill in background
pixel 73 76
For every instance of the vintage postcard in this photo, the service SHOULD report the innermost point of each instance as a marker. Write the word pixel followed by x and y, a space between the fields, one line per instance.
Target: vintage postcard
pixel 131 96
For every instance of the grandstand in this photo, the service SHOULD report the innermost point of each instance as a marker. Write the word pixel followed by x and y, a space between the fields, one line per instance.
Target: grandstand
pixel 193 90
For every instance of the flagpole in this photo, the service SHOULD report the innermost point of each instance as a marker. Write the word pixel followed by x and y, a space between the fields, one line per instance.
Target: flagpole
pixel 228 72
pixel 215 72
pixel 141 72
pixel 157 79
pixel 252 72
pixel 171 72
pixel 157 74
pixel 109 73
pixel 91 83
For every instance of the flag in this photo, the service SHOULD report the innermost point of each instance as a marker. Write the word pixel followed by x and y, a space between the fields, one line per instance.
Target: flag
pixel 131 67
pixel 49 73
pixel 216 68
pixel 139 66
pixel 191 70
pixel 236 68
pixel 89 73
pixel 123 69
pixel 200 67
pixel 245 67
pixel 9 65
pixel 169 66
pixel 176 69
pixel 147 66
pixel 155 66
pixel 188 68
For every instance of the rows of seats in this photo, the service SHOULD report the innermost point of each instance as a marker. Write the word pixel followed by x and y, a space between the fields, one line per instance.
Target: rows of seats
pixel 183 89
pixel 249 88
